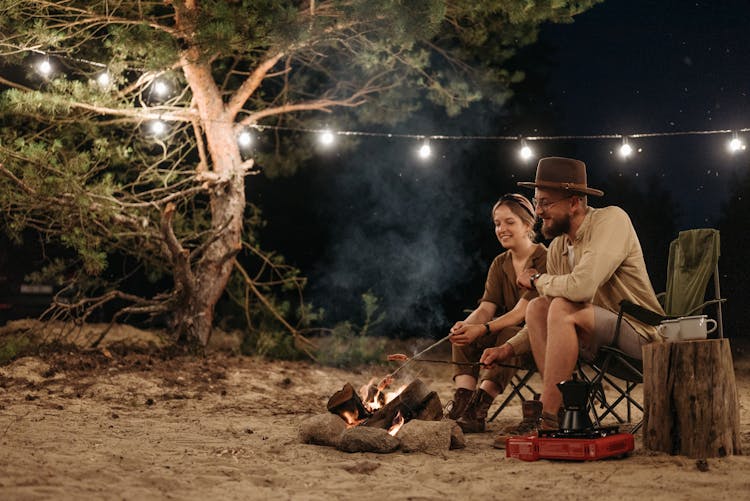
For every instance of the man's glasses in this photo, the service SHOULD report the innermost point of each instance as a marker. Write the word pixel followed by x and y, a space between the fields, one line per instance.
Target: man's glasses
pixel 545 204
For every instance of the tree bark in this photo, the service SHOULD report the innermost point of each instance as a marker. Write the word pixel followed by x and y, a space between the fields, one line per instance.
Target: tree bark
pixel 211 270
pixel 690 399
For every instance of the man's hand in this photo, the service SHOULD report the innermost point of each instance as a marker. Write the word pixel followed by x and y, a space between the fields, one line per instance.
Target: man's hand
pixel 497 354
pixel 524 279
pixel 463 333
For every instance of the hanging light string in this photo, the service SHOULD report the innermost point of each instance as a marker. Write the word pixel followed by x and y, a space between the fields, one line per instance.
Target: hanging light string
pixel 327 135
pixel 453 137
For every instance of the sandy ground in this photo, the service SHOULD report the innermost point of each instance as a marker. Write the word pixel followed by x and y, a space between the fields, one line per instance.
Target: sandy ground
pixel 103 425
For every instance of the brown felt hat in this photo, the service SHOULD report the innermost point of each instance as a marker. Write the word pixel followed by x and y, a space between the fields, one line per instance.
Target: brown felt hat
pixel 558 173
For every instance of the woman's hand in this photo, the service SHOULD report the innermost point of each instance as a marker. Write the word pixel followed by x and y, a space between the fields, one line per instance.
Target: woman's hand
pixel 463 333
pixel 524 279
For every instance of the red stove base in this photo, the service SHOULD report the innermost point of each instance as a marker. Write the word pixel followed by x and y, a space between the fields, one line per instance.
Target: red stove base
pixel 576 449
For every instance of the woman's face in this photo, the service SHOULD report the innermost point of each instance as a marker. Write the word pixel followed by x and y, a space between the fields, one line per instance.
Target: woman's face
pixel 509 228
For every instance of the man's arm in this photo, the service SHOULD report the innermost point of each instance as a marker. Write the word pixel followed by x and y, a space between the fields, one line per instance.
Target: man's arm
pixel 610 243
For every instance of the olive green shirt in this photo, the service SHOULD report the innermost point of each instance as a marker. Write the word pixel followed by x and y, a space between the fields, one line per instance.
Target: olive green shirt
pixel 500 287
pixel 608 267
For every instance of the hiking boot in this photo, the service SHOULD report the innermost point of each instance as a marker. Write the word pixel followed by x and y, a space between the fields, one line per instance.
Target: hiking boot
pixel 456 407
pixel 473 419
pixel 532 413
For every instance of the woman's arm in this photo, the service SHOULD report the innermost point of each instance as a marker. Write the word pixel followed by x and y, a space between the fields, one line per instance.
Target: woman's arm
pixel 479 323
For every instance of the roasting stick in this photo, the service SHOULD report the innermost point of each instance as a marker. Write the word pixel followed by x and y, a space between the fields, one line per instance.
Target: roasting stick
pixel 469 364
pixel 387 380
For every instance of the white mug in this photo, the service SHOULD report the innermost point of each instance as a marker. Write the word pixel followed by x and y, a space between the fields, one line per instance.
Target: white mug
pixel 670 329
pixel 696 327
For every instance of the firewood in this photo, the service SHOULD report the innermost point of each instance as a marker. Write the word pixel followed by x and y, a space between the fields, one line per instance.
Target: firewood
pixel 346 400
pixel 409 402
pixel 431 408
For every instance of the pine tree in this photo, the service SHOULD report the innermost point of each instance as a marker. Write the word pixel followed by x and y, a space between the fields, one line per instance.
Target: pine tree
pixel 144 162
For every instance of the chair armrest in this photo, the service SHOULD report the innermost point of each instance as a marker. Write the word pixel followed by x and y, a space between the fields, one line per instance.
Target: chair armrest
pixel 640 313
pixel 700 307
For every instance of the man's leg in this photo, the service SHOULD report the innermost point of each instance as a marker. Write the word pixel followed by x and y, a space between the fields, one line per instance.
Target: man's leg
pixel 536 324
pixel 569 325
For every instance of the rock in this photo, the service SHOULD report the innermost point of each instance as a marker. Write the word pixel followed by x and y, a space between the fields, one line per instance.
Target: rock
pixel 426 436
pixel 458 440
pixel 367 439
pixel 322 429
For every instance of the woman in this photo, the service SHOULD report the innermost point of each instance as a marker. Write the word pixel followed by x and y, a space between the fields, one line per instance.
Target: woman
pixel 514 218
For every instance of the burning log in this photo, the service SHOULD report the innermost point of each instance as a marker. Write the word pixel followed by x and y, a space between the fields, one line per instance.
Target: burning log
pixel 348 404
pixel 410 403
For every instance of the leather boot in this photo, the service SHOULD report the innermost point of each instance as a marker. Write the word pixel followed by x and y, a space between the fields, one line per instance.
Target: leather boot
pixel 532 413
pixel 473 419
pixel 456 407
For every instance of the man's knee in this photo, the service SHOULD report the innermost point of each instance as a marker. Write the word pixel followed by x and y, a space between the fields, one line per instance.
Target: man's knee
pixel 564 311
pixel 537 309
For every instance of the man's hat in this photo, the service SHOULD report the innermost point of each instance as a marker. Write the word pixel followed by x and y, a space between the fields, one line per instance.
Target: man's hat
pixel 558 173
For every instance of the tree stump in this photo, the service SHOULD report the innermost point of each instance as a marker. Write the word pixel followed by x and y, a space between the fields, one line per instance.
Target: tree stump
pixel 690 399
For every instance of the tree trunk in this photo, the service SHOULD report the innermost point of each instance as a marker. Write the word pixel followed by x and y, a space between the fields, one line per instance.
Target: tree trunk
pixel 207 275
pixel 690 399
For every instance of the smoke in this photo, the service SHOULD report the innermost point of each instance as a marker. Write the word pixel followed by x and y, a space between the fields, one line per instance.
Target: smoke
pixel 401 228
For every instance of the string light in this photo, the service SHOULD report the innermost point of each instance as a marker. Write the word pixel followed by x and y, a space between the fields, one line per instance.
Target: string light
pixel 525 152
pixel 45 68
pixel 736 144
pixel 326 137
pixel 625 149
pixel 161 88
pixel 158 127
pixel 425 151
pixel 103 79
pixel 245 139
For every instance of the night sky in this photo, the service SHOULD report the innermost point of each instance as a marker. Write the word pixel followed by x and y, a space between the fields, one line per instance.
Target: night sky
pixel 418 234
pixel 657 66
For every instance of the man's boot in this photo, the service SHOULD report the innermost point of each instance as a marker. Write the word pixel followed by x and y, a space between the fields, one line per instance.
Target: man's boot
pixel 473 419
pixel 532 413
pixel 456 407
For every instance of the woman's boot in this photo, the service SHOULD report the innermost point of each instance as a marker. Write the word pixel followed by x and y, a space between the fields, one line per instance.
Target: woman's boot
pixel 456 407
pixel 473 419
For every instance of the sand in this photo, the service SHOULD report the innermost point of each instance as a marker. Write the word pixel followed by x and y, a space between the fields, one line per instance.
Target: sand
pixel 110 425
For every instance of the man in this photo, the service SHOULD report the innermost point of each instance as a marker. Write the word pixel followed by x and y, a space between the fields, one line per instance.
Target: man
pixel 594 262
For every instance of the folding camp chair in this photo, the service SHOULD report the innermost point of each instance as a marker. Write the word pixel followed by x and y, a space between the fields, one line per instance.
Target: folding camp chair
pixel 693 259
pixel 519 384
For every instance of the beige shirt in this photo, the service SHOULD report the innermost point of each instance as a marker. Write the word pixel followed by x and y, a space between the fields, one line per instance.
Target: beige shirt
pixel 608 267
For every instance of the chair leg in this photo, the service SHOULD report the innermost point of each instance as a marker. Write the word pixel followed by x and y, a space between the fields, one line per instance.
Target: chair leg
pixel 516 387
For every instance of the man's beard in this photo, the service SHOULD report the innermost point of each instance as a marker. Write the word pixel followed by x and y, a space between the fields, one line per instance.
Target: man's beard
pixel 556 228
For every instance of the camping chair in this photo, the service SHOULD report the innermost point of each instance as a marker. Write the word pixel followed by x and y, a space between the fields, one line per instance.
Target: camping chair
pixel 693 259
pixel 518 384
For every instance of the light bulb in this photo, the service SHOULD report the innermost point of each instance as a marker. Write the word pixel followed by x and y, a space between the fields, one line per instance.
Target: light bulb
pixel 326 138
pixel 245 139
pixel 626 150
pixel 425 151
pixel 161 88
pixel 158 127
pixel 526 152
pixel 45 68
pixel 736 145
pixel 103 79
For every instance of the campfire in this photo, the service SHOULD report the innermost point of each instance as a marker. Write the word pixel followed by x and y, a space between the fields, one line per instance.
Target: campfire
pixel 378 420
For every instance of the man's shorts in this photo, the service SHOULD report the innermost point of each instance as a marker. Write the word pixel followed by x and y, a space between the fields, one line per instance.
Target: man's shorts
pixel 605 323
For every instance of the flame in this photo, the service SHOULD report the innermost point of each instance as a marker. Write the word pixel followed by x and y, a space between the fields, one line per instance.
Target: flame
pixel 376 400
pixel 350 418
pixel 398 422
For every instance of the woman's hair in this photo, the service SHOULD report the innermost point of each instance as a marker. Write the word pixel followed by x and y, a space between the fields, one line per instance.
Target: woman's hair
pixel 521 207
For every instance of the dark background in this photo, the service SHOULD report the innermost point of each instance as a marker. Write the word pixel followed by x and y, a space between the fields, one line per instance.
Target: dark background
pixel 418 234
